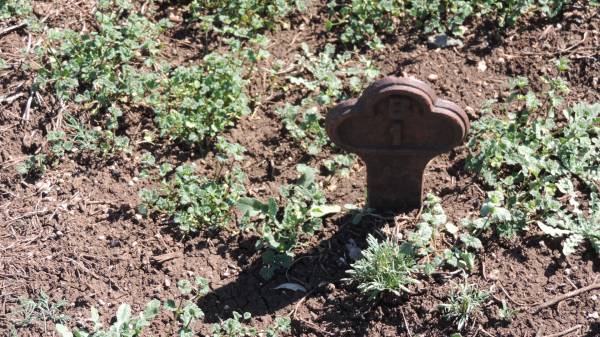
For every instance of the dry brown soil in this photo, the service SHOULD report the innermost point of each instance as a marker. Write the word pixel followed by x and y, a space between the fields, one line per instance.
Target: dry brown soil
pixel 74 233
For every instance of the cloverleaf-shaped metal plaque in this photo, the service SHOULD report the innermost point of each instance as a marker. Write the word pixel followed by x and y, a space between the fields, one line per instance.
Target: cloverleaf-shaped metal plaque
pixel 397 126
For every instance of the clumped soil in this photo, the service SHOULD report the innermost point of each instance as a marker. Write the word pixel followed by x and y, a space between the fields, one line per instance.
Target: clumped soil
pixel 74 232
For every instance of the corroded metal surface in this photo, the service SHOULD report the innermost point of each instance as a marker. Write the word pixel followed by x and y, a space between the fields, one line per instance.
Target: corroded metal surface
pixel 397 126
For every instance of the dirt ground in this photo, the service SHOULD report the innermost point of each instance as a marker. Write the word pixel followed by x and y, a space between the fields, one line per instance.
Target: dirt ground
pixel 74 232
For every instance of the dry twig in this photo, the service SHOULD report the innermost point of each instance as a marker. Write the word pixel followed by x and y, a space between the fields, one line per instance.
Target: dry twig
pixel 562 333
pixel 28 106
pixel 166 257
pixel 11 28
pixel 567 295
pixel 292 313
pixel 406 323
pixel 12 98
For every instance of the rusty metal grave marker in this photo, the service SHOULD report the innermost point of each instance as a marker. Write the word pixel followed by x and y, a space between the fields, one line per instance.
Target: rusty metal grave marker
pixel 397 126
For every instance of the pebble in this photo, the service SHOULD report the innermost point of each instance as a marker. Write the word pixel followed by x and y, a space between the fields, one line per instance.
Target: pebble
pixel 354 252
pixel 167 282
pixel 175 18
pixel 481 66
pixel 471 112
pixel 594 315
pixel 433 77
pixel 443 41
pixel 494 274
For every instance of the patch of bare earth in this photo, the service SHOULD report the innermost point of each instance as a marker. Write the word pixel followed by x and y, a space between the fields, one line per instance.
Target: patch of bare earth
pixel 74 232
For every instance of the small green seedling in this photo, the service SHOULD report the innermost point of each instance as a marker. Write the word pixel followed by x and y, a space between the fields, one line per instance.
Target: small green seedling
pixel 125 324
pixel 340 164
pixel 385 267
pixel 197 103
pixel 283 226
pixel 40 310
pixel 242 18
pixel 185 310
pixel 193 202
pixel 364 22
pixel 464 302
pixel 507 313
pixel 328 78
pixel 234 327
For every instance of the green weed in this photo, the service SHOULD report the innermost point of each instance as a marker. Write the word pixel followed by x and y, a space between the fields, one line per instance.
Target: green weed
pixel 426 241
pixel 234 327
pixel 326 78
pixel 125 325
pixel 282 226
pixel 185 310
pixel 193 202
pixel 40 310
pixel 243 18
pixel 34 165
pixel 104 72
pixel 391 265
pixel 464 302
pixel 197 103
pixel 365 21
pixel 14 8
pixel 507 313
pixel 385 267
pixel 339 164
pixel 534 158
pixel 185 313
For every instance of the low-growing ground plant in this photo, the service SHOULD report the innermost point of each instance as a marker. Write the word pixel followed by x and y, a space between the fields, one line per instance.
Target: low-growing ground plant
pixel 284 225
pixel 384 267
pixel 75 137
pixel 464 302
pixel 243 18
pixel 184 309
pixel 196 103
pixel 505 312
pixel 339 164
pixel 326 78
pixel 235 327
pixel 33 166
pixel 104 73
pixel 40 310
pixel 427 244
pixel 365 21
pixel 392 265
pixel 14 8
pixel 191 201
pixel 541 161
pixel 125 324
pixel 185 313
